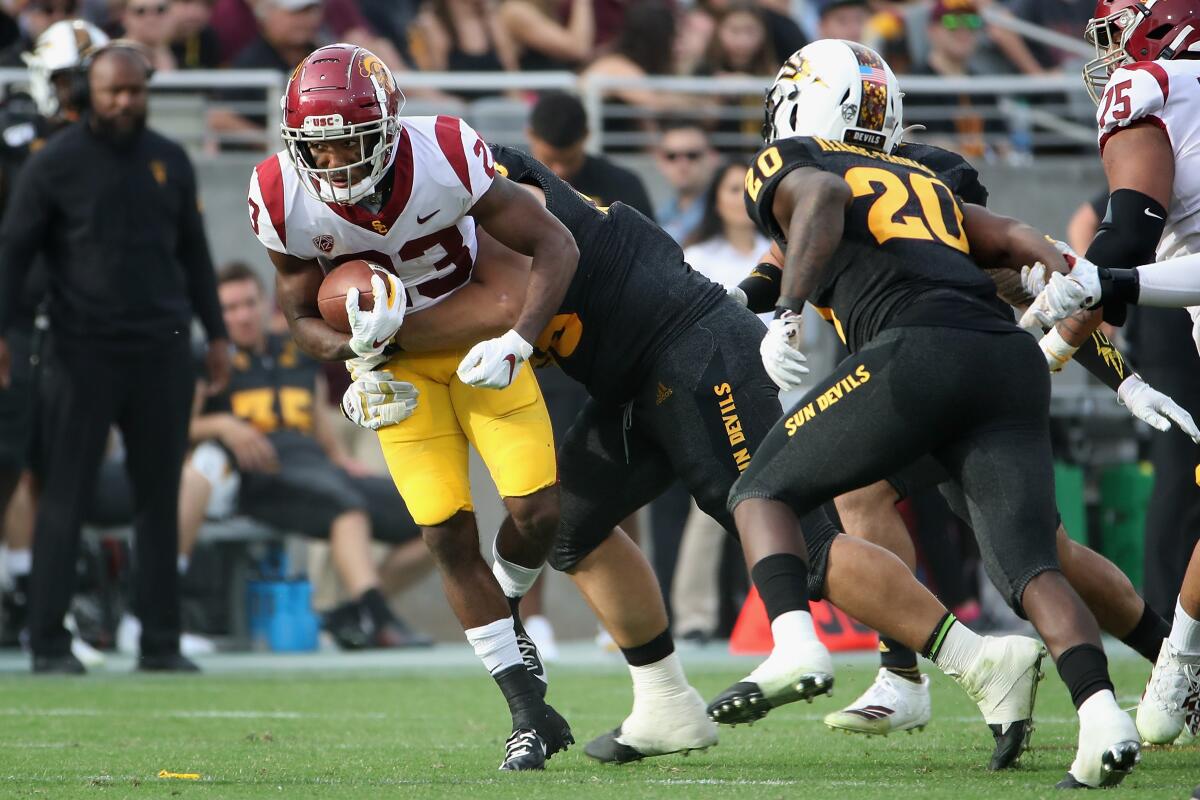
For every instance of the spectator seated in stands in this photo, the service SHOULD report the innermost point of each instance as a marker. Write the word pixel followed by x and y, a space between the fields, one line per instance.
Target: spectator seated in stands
pixel 462 36
pixel 968 124
pixel 543 38
pixel 741 46
pixel 148 22
pixel 842 19
pixel 685 157
pixel 294 475
pixel 785 32
pixel 194 43
pixel 34 18
pixel 557 135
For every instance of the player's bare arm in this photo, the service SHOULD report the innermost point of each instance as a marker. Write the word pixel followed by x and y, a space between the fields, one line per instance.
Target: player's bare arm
pixel 487 306
pixel 520 222
pixel 810 205
pixel 297 282
pixel 1140 158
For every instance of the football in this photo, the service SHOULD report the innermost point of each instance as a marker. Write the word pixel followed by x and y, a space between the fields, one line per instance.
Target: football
pixel 331 298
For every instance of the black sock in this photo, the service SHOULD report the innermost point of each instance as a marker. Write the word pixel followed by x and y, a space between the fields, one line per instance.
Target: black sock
pixel 524 698
pixel 895 657
pixel 934 643
pixel 1084 669
pixel 1148 635
pixel 376 605
pixel 782 583
pixel 652 651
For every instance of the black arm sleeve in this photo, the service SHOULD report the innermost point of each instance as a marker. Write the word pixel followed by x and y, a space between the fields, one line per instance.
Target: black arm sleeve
pixel 1100 357
pixel 193 254
pixel 762 287
pixel 21 236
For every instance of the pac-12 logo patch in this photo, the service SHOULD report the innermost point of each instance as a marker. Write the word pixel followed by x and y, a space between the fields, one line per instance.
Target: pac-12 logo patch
pixel 324 243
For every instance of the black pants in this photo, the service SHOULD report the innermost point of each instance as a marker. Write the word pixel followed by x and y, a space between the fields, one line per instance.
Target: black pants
pixel 698 417
pixel 147 394
pixel 978 402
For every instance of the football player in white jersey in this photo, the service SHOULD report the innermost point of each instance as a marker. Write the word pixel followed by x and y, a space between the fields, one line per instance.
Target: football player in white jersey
pixel 1146 80
pixel 357 181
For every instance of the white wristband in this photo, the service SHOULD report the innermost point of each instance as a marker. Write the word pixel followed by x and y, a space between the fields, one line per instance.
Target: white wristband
pixel 1056 349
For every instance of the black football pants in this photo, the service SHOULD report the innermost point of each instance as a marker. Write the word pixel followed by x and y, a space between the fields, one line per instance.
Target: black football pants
pixel 147 394
pixel 977 401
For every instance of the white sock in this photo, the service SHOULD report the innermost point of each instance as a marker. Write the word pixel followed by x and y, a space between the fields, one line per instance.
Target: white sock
pixel 959 649
pixel 792 628
pixel 18 562
pixel 181 564
pixel 1098 709
pixel 1185 632
pixel 514 580
pixel 496 644
pixel 663 678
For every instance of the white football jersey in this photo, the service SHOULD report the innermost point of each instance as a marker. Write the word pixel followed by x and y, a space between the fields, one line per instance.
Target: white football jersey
pixel 422 233
pixel 1166 94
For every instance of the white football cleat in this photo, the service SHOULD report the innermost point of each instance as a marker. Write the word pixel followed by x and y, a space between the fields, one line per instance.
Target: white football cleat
pixel 1174 686
pixel 890 704
pixel 1107 752
pixel 803 672
pixel 1003 682
pixel 658 726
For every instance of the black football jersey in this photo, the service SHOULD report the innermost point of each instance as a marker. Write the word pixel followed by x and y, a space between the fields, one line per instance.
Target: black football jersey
pixel 904 258
pixel 632 293
pixel 274 391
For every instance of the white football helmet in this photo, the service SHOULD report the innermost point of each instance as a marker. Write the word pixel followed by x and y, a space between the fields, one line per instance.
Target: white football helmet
pixel 836 90
pixel 65 45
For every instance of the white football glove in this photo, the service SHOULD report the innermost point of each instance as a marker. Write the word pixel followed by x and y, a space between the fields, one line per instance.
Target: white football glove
pixel 371 331
pixel 1057 350
pixel 357 367
pixel 376 400
pixel 780 351
pixel 1155 408
pixel 494 363
pixel 1061 295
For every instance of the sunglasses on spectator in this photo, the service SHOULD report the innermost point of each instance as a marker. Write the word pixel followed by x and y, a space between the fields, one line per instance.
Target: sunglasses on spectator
pixel 686 155
pixel 156 10
pixel 955 22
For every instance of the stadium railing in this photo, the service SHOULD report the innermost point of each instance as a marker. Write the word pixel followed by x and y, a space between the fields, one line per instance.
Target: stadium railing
pixel 1020 114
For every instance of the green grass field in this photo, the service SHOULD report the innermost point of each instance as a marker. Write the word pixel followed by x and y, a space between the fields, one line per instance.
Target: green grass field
pixel 436 729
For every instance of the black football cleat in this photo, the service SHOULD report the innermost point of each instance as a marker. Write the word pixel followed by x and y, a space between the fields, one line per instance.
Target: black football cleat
pixel 166 662
pixel 1010 743
pixel 531 748
pixel 745 701
pixel 65 664
pixel 606 749
pixel 530 656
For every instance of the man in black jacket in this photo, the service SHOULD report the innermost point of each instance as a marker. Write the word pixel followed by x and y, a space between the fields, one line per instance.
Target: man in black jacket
pixel 114 208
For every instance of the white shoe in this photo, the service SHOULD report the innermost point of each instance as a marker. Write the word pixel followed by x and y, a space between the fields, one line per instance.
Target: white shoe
pixel 129 635
pixel 1108 751
pixel 191 644
pixel 1003 682
pixel 542 633
pixel 803 672
pixel 1174 686
pixel 657 726
pixel 87 655
pixel 891 703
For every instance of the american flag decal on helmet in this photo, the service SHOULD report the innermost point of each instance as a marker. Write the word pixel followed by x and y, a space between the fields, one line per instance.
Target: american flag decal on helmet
pixel 873 108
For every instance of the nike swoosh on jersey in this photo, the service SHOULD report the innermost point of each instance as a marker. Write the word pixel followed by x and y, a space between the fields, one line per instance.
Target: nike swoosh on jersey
pixel 1150 213
pixel 422 220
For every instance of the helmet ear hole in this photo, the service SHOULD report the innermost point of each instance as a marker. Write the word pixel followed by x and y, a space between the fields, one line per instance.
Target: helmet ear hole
pixel 794 119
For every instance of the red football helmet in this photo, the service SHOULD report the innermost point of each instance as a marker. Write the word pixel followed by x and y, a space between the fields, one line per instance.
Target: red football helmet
pixel 1125 31
pixel 339 92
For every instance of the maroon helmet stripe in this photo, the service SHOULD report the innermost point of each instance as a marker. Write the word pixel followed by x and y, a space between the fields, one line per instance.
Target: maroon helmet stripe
pixel 270 183
pixel 449 138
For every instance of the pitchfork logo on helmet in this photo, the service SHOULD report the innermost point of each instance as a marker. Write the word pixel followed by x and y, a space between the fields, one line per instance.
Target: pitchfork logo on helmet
pixel 342 92
pixel 62 47
pixel 837 90
pixel 1126 31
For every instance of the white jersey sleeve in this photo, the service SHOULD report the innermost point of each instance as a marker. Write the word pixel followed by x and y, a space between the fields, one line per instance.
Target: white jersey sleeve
pixel 1134 93
pixel 265 204
pixel 468 156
